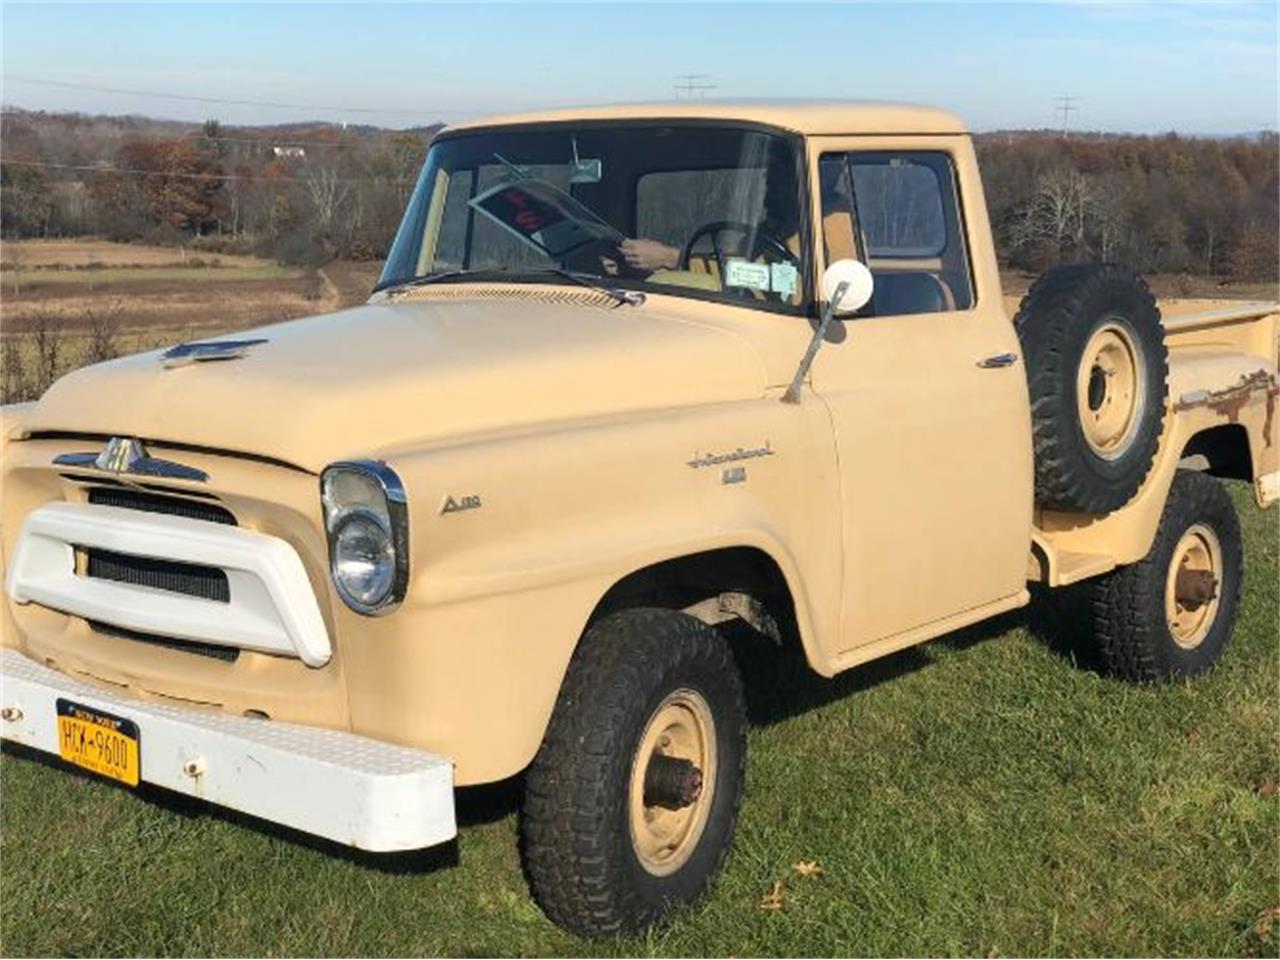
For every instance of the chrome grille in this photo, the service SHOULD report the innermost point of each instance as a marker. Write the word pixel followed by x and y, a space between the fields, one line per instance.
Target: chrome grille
pixel 212 650
pixel 189 579
pixel 131 499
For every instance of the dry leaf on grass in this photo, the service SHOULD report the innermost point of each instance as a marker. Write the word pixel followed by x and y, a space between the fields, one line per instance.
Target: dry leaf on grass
pixel 774 899
pixel 1268 788
pixel 807 868
pixel 1266 920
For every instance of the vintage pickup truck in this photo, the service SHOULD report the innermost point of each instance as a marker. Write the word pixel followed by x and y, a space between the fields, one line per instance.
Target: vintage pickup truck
pixel 629 374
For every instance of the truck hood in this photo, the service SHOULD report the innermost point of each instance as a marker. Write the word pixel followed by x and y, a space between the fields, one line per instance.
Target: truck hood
pixel 384 375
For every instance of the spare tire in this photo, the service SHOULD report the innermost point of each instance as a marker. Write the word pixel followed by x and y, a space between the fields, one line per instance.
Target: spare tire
pixel 1097 369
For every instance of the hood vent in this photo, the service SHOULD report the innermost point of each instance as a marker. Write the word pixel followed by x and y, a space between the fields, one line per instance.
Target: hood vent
pixel 481 291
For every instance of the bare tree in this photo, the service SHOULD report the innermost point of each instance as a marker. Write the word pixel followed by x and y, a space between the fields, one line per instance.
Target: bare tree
pixel 13 375
pixel 14 259
pixel 1056 213
pixel 45 336
pixel 103 324
pixel 1110 218
pixel 327 192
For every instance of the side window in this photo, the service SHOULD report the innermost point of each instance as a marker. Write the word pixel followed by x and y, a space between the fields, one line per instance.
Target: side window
pixel 907 227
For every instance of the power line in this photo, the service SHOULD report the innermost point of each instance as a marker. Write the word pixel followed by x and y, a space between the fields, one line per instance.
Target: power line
pixel 691 83
pixel 242 103
pixel 91 168
pixel 271 141
pixel 1066 106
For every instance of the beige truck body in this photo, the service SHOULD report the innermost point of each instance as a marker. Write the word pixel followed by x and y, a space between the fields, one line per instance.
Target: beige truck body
pixel 608 452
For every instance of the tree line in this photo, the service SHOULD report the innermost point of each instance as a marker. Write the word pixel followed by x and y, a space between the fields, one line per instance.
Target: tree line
pixel 1163 204
pixel 305 193
pixel 302 194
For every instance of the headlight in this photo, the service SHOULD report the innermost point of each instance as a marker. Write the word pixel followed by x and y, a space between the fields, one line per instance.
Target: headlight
pixel 366 517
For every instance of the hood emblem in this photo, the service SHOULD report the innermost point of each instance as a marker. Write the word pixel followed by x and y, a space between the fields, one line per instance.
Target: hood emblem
pixel 120 454
pixel 185 354
pixel 127 455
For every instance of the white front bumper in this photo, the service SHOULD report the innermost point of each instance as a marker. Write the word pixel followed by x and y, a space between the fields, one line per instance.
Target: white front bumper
pixel 360 792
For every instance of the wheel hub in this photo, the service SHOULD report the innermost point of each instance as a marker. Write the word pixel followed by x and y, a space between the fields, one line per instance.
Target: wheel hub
pixel 1194 588
pixel 1110 390
pixel 672 782
pixel 1191 594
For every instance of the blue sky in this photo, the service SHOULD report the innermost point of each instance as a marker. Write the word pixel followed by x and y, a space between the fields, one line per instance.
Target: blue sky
pixel 1197 68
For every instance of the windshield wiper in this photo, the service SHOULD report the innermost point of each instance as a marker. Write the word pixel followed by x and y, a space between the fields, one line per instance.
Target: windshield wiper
pixel 632 297
pixel 429 278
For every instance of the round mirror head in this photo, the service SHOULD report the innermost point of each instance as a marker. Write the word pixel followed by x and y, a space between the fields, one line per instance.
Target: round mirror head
pixel 859 284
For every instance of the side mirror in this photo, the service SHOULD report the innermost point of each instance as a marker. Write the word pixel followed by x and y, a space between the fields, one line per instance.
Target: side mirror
pixel 857 282
pixel 846 288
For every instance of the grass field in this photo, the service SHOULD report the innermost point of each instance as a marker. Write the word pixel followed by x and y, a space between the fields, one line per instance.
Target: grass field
pixel 33 280
pixel 988 793
pixel 82 252
pixel 64 280
pixel 144 297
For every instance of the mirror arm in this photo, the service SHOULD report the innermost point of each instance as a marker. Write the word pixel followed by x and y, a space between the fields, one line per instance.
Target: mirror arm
pixel 828 314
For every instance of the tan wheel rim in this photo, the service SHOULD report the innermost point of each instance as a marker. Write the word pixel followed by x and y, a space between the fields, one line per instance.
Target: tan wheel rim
pixel 681 729
pixel 1110 390
pixel 1191 592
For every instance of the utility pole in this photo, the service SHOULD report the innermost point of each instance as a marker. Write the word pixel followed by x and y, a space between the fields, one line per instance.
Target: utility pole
pixel 1066 106
pixel 691 84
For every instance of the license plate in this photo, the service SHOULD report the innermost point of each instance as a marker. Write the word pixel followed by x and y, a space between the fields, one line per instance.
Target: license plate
pixel 97 741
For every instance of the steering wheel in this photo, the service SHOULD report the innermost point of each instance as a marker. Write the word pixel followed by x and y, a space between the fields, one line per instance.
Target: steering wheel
pixel 760 242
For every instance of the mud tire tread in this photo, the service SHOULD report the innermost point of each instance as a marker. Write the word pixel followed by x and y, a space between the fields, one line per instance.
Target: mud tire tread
pixel 574 837
pixel 1128 605
pixel 1053 322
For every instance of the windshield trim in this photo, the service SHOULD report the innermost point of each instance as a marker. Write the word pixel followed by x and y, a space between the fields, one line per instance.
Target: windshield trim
pixel 805 308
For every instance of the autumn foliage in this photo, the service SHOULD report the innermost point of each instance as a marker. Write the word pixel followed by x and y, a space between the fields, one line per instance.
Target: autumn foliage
pixel 1161 204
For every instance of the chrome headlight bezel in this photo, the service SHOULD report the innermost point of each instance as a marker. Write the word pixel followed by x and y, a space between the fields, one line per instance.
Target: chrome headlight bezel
pixel 388 508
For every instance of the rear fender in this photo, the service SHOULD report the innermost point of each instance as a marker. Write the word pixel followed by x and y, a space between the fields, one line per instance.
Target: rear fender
pixel 1243 390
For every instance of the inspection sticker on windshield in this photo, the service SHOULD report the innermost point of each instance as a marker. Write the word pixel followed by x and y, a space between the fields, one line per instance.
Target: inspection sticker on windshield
pixel 782 279
pixel 744 273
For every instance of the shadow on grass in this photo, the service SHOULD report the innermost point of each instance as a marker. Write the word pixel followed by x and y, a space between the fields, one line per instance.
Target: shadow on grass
pixel 779 683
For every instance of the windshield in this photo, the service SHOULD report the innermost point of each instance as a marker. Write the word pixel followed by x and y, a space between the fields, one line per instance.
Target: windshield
pixel 693 210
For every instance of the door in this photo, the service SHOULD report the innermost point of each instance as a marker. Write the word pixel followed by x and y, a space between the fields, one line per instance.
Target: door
pixel 926 392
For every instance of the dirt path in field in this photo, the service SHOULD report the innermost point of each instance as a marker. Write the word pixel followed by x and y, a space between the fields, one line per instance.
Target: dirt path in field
pixel 330 295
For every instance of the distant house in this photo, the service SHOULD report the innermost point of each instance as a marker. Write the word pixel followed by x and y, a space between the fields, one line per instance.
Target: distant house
pixel 292 153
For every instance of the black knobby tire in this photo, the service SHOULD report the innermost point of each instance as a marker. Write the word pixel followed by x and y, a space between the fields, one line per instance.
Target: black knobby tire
pixel 576 826
pixel 1068 312
pixel 1131 623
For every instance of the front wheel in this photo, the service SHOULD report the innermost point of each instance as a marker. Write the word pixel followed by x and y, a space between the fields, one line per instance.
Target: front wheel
pixel 632 800
pixel 1170 615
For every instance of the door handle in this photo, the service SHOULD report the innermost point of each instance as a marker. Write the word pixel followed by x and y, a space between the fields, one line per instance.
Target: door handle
pixel 998 360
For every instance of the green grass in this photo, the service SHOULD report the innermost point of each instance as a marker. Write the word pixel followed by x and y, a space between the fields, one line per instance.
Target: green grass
pixel 34 279
pixel 978 795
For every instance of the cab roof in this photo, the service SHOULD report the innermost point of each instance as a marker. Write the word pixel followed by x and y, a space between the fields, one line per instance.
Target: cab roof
pixel 801 116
